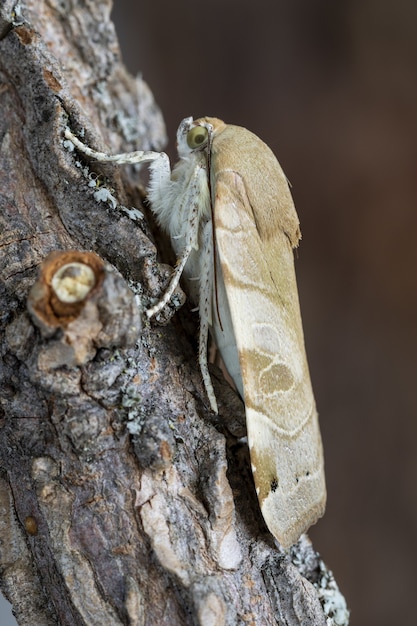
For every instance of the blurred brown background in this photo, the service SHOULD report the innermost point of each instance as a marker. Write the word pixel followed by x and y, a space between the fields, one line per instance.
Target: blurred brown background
pixel 331 86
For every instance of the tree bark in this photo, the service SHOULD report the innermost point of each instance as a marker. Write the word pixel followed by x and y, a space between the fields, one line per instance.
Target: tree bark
pixel 123 499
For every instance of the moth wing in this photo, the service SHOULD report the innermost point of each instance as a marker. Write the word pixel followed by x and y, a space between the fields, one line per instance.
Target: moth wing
pixel 282 421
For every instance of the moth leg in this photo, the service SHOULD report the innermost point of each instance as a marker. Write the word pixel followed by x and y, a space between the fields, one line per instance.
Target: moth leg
pixel 205 310
pixel 140 156
pixel 154 310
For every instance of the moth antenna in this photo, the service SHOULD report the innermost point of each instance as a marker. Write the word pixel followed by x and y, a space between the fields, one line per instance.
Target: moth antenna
pixel 213 235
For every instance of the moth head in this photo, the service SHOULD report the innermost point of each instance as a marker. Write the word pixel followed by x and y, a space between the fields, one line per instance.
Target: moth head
pixel 193 136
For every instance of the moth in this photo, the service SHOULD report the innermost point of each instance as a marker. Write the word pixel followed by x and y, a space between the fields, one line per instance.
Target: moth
pixel 229 212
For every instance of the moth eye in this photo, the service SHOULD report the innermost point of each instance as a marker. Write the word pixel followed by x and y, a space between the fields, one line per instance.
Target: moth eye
pixel 197 137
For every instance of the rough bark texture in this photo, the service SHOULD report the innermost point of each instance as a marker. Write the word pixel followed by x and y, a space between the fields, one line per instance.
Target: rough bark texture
pixel 123 499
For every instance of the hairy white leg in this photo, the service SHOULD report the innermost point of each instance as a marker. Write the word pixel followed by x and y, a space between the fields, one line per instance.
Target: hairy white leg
pixel 205 309
pixel 154 310
pixel 125 158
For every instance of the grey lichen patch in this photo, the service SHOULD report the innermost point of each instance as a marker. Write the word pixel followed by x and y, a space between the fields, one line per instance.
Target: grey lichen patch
pixel 105 195
pixel 333 602
pixel 311 566
pixel 153 439
pixel 102 191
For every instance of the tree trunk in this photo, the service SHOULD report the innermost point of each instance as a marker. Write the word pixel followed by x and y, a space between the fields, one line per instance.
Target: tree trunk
pixel 123 499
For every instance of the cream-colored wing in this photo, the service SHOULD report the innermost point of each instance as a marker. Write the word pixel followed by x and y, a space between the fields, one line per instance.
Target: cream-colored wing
pixel 282 422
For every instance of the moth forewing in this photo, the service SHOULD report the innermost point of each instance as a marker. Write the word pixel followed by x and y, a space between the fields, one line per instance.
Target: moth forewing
pixel 260 285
